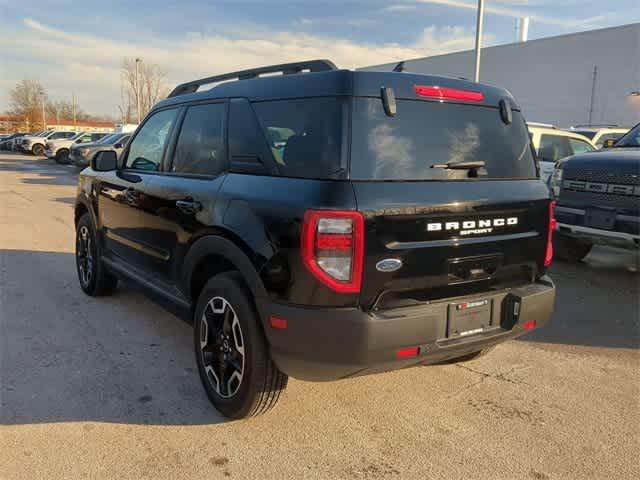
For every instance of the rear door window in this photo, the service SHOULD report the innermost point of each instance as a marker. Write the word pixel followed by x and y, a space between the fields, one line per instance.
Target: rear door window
pixel 553 147
pixel 305 136
pixel 200 147
pixel 422 134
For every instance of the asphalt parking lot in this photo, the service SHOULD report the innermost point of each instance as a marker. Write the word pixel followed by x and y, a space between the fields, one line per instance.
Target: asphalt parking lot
pixel 107 388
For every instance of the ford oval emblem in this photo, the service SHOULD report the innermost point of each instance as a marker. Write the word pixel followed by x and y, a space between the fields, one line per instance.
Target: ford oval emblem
pixel 388 265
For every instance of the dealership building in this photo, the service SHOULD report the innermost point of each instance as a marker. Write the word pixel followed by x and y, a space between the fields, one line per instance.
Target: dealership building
pixel 582 78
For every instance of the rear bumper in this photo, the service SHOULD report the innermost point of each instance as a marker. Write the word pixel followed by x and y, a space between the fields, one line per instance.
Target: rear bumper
pixel 329 344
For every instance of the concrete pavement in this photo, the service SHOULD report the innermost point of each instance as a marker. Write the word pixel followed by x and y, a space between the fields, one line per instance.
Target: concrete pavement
pixel 107 388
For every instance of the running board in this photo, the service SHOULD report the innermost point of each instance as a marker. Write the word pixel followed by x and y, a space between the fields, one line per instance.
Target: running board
pixel 171 294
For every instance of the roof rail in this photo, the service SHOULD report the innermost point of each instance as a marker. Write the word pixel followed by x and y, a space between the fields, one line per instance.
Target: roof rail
pixel 592 125
pixel 538 124
pixel 285 68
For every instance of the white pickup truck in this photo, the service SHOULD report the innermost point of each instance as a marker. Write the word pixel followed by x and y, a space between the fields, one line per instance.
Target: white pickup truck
pixel 35 144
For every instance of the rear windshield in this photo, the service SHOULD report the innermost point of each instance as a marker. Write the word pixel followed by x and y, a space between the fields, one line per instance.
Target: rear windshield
pixel 585 133
pixel 422 134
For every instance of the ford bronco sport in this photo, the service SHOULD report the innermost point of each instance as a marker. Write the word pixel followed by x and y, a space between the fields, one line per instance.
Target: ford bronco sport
pixel 324 223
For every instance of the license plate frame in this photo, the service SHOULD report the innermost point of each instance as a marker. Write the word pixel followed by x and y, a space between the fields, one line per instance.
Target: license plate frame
pixel 600 218
pixel 470 317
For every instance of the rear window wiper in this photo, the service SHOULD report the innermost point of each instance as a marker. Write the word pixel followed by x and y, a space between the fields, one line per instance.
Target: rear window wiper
pixel 460 165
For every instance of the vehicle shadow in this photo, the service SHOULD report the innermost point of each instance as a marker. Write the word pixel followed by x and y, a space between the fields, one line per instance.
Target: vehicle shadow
pixel 597 302
pixel 40 171
pixel 68 357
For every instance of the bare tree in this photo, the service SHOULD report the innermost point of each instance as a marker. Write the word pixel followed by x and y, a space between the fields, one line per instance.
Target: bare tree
pixel 142 84
pixel 25 102
pixel 63 110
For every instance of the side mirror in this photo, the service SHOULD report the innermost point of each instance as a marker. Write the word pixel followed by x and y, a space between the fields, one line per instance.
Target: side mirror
pixel 609 142
pixel 104 161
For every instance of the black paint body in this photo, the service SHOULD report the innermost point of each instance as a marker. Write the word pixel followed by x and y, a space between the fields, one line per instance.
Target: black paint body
pixel 252 223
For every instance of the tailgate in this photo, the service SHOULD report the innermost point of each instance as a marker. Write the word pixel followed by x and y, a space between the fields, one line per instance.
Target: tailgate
pixel 452 238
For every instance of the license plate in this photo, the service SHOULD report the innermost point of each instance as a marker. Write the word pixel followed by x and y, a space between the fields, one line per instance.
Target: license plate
pixel 600 218
pixel 469 318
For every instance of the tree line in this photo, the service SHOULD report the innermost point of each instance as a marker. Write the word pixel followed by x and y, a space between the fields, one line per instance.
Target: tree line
pixel 142 85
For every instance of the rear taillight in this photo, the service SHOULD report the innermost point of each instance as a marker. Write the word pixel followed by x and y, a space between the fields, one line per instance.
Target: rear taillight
pixel 445 93
pixel 333 248
pixel 548 256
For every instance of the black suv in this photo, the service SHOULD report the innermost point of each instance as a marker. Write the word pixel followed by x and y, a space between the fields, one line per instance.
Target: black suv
pixel 598 198
pixel 324 223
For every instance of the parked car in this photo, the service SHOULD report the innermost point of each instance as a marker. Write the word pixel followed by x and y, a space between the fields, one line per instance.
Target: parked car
pixel 598 198
pixel 395 227
pixel 35 143
pixel 79 155
pixel 59 148
pixel 599 134
pixel 552 145
pixel 7 142
pixel 15 145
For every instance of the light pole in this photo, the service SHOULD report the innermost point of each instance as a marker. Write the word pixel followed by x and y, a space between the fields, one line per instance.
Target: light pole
pixel 479 19
pixel 44 117
pixel 138 60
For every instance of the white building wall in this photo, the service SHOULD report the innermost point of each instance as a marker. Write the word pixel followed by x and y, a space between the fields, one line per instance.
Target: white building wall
pixel 551 78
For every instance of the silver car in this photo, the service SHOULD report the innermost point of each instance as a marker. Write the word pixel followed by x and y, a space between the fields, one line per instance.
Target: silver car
pixel 80 155
pixel 59 149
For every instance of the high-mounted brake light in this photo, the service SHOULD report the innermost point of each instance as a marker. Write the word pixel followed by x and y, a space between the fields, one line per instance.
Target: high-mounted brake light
pixel 332 248
pixel 548 256
pixel 445 93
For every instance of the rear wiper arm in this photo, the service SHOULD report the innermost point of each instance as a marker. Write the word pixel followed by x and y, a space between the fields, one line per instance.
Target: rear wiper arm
pixel 460 165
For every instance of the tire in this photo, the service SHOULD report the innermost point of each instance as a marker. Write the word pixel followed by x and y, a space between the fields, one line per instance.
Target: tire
pixel 228 338
pixel 62 156
pixel 37 150
pixel 570 249
pixel 94 280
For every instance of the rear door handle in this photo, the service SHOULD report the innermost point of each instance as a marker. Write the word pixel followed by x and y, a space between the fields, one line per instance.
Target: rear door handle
pixel 189 206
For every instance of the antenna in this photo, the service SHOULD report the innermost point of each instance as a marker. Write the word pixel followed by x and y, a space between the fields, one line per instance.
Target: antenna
pixel 399 67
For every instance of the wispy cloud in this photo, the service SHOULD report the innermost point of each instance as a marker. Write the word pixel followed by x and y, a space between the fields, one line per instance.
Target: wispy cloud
pixel 90 64
pixel 400 8
pixel 510 11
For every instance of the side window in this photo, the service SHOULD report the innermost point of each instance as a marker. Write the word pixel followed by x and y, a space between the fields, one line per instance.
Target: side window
pixel 553 148
pixel 96 136
pixel 200 147
pixel 305 135
pixel 247 146
pixel 579 146
pixel 85 139
pixel 147 148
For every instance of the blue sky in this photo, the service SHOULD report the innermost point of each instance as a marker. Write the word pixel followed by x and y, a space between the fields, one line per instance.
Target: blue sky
pixel 78 46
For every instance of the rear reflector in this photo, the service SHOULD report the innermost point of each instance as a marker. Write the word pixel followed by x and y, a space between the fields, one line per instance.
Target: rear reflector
pixel 529 325
pixel 408 352
pixel 444 93
pixel 279 323
pixel 548 256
